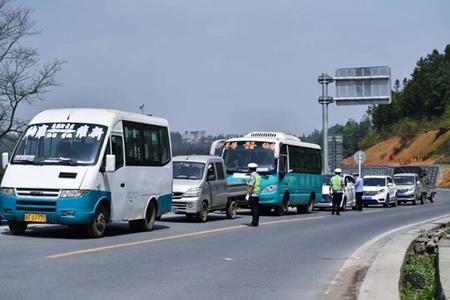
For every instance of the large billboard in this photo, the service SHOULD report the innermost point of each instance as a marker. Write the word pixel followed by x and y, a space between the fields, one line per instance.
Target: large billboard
pixel 366 85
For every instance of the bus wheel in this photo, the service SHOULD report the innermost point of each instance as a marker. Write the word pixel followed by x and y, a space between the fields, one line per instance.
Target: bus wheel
pixel 147 223
pixel 278 210
pixel 231 209
pixel 202 215
pixel 17 227
pixel 306 209
pixel 96 228
pixel 265 210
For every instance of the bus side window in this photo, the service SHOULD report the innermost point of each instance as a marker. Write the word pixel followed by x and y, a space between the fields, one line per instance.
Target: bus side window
pixel 117 150
pixel 283 164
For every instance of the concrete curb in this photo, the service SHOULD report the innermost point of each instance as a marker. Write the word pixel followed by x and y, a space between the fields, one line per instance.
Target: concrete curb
pixel 388 264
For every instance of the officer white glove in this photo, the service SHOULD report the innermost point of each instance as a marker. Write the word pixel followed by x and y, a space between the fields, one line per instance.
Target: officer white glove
pixel 247 197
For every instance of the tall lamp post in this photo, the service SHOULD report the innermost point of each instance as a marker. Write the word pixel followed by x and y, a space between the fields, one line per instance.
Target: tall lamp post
pixel 324 80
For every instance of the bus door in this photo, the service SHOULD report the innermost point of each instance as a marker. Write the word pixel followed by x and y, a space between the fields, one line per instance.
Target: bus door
pixel 117 180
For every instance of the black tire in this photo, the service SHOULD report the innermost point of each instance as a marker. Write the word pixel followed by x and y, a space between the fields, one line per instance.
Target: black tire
pixel 148 222
pixel 278 210
pixel 17 228
pixel 283 208
pixel 231 209
pixel 264 210
pixel 306 209
pixel 202 215
pixel 97 227
pixel 344 204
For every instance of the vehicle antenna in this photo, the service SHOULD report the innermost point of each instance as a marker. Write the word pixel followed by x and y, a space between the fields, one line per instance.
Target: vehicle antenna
pixel 68 116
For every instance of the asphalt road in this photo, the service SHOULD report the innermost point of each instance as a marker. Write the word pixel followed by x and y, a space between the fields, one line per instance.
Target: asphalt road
pixel 289 257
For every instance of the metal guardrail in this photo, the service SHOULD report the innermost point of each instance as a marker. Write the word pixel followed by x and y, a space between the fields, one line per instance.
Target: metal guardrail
pixel 432 171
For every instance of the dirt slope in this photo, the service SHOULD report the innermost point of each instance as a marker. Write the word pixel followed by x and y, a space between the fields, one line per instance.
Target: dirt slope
pixel 391 152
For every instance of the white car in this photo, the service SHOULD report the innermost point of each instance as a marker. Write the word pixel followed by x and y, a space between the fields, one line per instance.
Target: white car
pixel 348 199
pixel 379 189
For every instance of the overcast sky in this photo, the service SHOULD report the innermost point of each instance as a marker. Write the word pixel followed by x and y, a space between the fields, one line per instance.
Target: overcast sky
pixel 229 66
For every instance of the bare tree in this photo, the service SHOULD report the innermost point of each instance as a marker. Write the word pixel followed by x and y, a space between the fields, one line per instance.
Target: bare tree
pixel 22 80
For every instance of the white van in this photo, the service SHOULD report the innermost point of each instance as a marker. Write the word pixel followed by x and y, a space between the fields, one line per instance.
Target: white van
pixel 88 167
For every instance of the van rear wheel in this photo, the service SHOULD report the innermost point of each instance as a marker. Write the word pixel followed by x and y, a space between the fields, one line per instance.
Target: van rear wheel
pixel 17 228
pixel 231 209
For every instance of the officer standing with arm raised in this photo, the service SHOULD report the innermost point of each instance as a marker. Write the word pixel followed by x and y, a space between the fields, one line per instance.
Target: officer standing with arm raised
pixel 359 184
pixel 337 187
pixel 254 187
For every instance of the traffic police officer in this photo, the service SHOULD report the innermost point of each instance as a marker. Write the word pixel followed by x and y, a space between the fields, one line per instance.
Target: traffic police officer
pixel 337 187
pixel 254 187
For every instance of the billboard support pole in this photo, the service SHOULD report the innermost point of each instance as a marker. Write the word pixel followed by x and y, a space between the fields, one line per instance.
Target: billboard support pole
pixel 324 80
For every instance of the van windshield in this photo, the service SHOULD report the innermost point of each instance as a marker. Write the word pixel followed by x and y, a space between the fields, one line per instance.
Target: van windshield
pixel 60 143
pixel 188 170
pixel 404 180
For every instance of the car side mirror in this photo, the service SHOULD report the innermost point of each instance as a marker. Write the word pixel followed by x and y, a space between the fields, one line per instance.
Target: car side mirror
pixel 5 159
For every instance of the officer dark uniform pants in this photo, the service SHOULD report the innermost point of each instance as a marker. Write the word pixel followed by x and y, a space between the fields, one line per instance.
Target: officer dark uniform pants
pixel 359 205
pixel 337 199
pixel 254 206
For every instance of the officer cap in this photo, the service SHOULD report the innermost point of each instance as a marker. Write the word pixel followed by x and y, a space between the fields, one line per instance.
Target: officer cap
pixel 355 174
pixel 252 165
pixel 338 171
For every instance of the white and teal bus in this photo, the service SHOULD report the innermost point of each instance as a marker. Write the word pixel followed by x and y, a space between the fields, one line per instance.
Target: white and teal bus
pixel 290 169
pixel 86 168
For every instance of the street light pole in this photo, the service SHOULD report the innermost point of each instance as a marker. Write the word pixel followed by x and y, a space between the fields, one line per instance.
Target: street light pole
pixel 324 80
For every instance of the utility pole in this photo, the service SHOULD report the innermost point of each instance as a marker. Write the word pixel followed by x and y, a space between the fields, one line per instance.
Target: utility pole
pixel 141 107
pixel 324 80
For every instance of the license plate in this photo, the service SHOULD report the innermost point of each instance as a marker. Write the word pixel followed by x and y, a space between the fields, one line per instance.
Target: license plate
pixel 400 194
pixel 38 218
pixel 367 198
pixel 323 200
pixel 174 209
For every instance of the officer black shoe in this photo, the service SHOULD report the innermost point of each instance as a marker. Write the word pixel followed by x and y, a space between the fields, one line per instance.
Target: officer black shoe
pixel 252 224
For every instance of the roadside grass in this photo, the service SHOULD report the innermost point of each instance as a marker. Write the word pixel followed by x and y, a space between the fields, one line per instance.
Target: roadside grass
pixel 421 269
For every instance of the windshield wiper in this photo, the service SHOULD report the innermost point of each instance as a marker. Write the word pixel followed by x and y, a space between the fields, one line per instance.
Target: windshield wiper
pixel 66 161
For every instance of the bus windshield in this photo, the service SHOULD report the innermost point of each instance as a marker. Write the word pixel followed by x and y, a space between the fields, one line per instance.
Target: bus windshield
pixel 60 143
pixel 237 155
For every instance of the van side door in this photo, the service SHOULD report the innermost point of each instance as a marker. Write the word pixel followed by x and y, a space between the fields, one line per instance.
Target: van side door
pixel 219 186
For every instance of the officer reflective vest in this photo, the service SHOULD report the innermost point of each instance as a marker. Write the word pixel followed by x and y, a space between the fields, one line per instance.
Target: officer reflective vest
pixel 256 184
pixel 336 183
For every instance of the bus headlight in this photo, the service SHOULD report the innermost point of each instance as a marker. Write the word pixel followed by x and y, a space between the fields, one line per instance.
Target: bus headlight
pixel 193 192
pixel 7 191
pixel 72 193
pixel 270 188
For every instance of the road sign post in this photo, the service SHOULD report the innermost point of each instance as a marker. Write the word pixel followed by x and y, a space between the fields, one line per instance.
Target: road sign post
pixel 359 157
